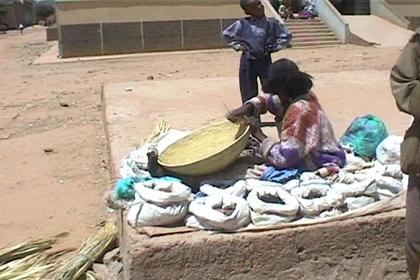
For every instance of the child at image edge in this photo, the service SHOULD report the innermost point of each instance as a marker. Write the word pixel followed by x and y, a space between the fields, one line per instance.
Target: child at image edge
pixel 257 37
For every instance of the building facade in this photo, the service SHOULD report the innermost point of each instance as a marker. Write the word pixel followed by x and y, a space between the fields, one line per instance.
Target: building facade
pixel 92 27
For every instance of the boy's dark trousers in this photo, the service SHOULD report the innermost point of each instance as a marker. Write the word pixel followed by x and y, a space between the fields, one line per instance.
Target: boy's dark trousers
pixel 249 70
pixel 413 226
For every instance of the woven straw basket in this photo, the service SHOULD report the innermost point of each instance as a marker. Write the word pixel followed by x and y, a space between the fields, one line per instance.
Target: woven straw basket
pixel 206 150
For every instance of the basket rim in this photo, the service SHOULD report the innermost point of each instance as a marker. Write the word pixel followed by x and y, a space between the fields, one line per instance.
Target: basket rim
pixel 240 138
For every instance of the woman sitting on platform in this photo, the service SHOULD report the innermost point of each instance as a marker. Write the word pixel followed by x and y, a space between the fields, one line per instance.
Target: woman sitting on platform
pixel 307 140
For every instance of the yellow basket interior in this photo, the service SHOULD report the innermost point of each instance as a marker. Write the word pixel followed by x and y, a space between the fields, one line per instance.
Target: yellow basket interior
pixel 203 143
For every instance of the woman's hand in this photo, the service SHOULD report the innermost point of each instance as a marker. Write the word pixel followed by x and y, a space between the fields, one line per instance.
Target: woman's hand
pixel 256 172
pixel 256 130
pixel 153 166
pixel 240 114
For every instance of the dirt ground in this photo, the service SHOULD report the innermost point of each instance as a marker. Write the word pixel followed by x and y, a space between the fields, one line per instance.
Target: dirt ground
pixel 54 160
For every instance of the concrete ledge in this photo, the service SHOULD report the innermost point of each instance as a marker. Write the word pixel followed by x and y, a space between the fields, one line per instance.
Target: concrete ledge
pixel 52 33
pixel 363 248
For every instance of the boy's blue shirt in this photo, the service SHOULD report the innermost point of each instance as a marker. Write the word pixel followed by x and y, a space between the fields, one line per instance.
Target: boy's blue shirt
pixel 259 36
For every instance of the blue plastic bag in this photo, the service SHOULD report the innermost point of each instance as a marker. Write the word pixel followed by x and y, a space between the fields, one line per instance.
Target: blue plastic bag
pixel 364 135
pixel 124 188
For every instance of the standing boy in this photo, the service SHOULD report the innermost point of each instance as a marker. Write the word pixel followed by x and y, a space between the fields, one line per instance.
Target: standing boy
pixel 257 37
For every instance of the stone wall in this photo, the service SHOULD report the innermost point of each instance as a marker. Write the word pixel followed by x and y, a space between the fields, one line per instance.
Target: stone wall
pixel 365 248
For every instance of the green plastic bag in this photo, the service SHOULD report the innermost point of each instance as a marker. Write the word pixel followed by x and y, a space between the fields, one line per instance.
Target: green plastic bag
pixel 364 135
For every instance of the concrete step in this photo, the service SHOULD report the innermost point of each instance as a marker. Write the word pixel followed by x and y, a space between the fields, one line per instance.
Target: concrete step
pixel 314 39
pixel 312 31
pixel 305 23
pixel 314 34
pixel 321 25
pixel 310 46
pixel 310 27
pixel 304 20
pixel 315 43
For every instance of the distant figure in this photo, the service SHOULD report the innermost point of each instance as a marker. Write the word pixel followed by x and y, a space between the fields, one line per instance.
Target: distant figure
pixel 286 12
pixel 256 37
pixel 308 11
pixel 21 27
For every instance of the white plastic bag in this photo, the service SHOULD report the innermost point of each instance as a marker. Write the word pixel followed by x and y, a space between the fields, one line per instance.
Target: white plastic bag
pixel 344 178
pixel 388 183
pixel 305 176
pixel 218 212
pixel 292 184
pixel 313 207
pixel 314 196
pixel 393 170
pixel 367 186
pixel 268 213
pixel 238 189
pixel 159 203
pixel 354 203
pixel 254 183
pixel 330 213
pixel 312 187
pixel 354 162
pixel 142 213
pixel 162 192
pixel 388 151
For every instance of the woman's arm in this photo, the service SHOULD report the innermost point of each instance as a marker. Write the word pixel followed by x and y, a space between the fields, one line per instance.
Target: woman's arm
pixel 291 149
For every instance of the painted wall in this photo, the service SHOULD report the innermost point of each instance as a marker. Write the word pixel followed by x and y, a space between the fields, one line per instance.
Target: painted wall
pixel 405 13
pixel 383 9
pixel 333 19
pixel 83 12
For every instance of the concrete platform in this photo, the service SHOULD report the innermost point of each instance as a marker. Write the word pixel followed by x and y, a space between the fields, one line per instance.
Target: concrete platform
pixel 378 31
pixel 363 248
pixel 134 108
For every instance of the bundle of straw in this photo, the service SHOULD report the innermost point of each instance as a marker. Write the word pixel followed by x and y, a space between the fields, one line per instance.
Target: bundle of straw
pixel 27 260
pixel 91 275
pixel 89 252
pixel 35 266
pixel 24 249
pixel 161 128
